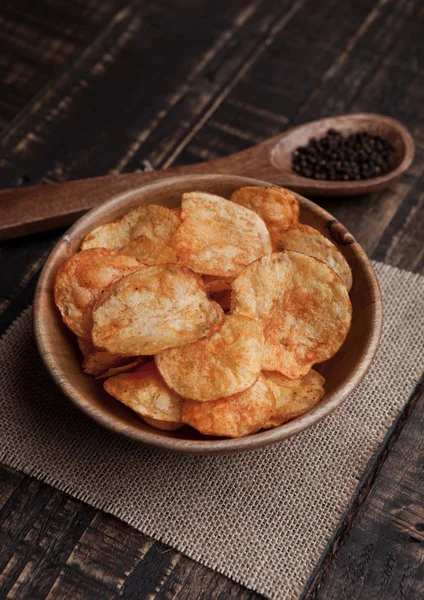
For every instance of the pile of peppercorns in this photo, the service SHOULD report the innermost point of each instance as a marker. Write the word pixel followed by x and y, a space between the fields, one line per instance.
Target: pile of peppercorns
pixel 335 157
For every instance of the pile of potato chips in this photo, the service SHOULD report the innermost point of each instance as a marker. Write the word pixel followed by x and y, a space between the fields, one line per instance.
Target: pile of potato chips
pixel 211 315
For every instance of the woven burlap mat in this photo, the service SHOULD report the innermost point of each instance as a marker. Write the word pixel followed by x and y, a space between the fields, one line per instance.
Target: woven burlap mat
pixel 262 518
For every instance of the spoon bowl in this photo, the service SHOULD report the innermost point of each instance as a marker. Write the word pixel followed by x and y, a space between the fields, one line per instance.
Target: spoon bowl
pixel 386 127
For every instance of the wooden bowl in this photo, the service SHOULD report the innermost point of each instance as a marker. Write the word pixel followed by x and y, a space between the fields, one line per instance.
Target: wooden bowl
pixel 60 353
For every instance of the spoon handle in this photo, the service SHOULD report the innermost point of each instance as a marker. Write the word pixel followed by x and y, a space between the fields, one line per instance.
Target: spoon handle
pixel 43 207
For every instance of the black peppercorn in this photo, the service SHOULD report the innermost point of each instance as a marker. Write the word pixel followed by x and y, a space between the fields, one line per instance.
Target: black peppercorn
pixel 336 157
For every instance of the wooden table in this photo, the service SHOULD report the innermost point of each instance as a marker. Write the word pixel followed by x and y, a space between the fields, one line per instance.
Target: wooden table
pixel 92 87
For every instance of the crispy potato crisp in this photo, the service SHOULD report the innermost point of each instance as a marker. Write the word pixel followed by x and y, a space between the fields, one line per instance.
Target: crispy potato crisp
pixel 161 307
pixel 235 416
pixel 277 206
pixel 227 362
pixel 82 279
pixel 308 240
pixel 293 397
pixel 164 425
pixel 158 223
pixel 219 237
pixel 103 364
pixel 149 252
pixel 145 392
pixel 303 306
pixel 117 370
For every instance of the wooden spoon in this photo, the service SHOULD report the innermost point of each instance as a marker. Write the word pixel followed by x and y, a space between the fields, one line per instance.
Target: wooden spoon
pixel 40 208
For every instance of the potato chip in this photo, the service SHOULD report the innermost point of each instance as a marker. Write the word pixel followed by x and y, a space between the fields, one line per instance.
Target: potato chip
pixel 303 306
pixel 219 237
pixel 112 236
pixel 158 223
pixel 117 370
pixel 103 364
pixel 163 425
pixel 82 279
pixel 293 397
pixel 306 239
pixel 149 252
pixel 145 392
pixel 163 306
pixel 277 206
pixel 235 416
pixel 227 362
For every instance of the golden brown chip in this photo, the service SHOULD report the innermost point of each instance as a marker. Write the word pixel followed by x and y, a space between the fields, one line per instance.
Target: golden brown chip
pixel 164 425
pixel 277 206
pixel 103 364
pixel 158 223
pixel 125 368
pixel 227 362
pixel 303 306
pixel 100 362
pixel 82 279
pixel 112 236
pixel 235 416
pixel 145 392
pixel 293 397
pixel 163 306
pixel 149 252
pixel 219 237
pixel 308 240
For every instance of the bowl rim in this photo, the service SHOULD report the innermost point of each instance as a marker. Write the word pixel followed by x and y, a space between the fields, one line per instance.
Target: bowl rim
pixel 207 446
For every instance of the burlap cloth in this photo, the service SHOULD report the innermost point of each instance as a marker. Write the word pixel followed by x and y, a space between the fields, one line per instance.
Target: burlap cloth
pixel 262 518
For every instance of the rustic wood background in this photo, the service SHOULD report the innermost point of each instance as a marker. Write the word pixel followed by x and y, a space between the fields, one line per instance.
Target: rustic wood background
pixel 89 87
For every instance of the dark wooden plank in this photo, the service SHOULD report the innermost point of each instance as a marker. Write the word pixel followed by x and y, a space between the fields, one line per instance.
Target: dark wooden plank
pixel 265 99
pixel 38 40
pixel 401 243
pixel 9 481
pixel 167 61
pixel 378 551
pixel 39 528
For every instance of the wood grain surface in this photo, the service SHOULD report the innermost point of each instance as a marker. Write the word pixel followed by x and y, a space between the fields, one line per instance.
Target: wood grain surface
pixel 92 88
